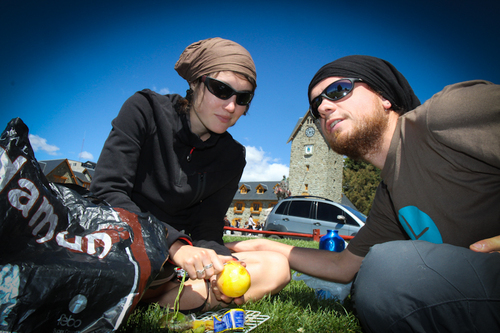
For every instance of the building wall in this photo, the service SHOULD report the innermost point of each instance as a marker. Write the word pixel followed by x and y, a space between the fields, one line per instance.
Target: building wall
pixel 76 165
pixel 61 174
pixel 315 169
pixel 243 215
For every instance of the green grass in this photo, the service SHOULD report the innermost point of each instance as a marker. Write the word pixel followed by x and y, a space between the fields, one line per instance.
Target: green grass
pixel 294 309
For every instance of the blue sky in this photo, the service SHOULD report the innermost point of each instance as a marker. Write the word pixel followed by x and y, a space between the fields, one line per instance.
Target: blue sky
pixel 68 66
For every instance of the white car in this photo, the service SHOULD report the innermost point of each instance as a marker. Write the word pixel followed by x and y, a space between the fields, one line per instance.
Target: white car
pixel 303 214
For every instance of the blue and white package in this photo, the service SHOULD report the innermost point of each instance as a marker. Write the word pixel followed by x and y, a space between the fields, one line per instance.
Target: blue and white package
pixel 233 320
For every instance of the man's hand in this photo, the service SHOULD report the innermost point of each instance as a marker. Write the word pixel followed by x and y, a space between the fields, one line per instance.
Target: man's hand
pixel 487 245
pixel 253 245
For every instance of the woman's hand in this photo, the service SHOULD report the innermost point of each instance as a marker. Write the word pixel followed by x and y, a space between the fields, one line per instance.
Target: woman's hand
pixel 199 263
pixel 487 245
pixel 220 296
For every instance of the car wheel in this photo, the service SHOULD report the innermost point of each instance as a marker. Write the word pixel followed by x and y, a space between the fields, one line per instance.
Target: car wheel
pixel 275 237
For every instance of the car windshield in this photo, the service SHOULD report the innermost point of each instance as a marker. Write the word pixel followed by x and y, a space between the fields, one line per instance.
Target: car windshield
pixel 360 215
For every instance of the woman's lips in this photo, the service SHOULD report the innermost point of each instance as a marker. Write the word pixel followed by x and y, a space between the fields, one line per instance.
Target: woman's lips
pixel 223 119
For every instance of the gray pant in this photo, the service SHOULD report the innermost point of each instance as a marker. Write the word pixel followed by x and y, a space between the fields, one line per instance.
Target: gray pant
pixel 416 286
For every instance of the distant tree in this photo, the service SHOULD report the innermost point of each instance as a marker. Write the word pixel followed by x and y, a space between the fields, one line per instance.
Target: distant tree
pixel 282 191
pixel 359 183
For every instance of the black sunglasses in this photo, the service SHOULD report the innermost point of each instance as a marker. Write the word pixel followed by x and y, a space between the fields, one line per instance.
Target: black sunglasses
pixel 224 91
pixel 335 91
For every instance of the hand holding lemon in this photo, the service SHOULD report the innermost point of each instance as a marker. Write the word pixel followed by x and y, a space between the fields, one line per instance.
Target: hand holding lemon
pixel 234 280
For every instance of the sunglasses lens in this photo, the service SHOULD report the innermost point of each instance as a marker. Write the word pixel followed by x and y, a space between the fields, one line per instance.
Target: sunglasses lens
pixel 220 90
pixel 338 89
pixel 244 98
pixel 315 103
pixel 335 91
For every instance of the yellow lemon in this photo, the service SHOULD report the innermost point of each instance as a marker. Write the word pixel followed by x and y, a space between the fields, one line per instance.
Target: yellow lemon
pixel 234 280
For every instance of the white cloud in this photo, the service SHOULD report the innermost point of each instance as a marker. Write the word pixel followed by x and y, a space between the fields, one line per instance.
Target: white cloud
pixel 162 91
pixel 39 143
pixel 261 168
pixel 85 155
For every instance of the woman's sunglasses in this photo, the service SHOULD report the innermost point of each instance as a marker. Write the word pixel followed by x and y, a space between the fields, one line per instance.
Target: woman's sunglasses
pixel 224 91
pixel 334 92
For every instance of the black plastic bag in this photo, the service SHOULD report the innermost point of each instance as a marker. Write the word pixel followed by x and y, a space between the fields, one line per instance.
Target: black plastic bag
pixel 68 263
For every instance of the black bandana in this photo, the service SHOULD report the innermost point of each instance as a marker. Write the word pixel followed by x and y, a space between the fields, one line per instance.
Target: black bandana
pixel 379 74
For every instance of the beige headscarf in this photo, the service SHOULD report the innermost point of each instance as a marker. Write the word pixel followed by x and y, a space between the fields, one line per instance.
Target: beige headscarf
pixel 214 55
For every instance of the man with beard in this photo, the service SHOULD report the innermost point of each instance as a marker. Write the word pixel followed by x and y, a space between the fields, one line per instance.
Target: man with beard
pixel 428 258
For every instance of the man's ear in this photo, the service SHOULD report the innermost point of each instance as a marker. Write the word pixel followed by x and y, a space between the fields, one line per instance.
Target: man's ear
pixel 386 103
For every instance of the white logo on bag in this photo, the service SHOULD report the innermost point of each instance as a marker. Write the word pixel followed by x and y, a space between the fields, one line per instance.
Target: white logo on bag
pixel 9 169
pixel 101 238
pixel 26 197
pixel 68 321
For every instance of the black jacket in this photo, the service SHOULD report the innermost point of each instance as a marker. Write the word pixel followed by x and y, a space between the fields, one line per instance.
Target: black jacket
pixel 152 162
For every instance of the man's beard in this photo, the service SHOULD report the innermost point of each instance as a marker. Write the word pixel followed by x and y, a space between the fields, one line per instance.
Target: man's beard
pixel 364 139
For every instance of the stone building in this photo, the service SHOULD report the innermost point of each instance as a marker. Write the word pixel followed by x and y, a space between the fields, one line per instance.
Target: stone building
pixel 254 199
pixel 315 169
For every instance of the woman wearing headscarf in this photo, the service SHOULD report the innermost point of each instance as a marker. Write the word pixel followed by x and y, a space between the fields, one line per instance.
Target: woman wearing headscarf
pixel 172 156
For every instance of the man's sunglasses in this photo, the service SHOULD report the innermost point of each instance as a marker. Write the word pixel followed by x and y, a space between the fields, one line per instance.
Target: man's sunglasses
pixel 224 91
pixel 334 92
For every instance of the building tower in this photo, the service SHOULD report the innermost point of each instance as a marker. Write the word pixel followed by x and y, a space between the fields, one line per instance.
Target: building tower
pixel 315 169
